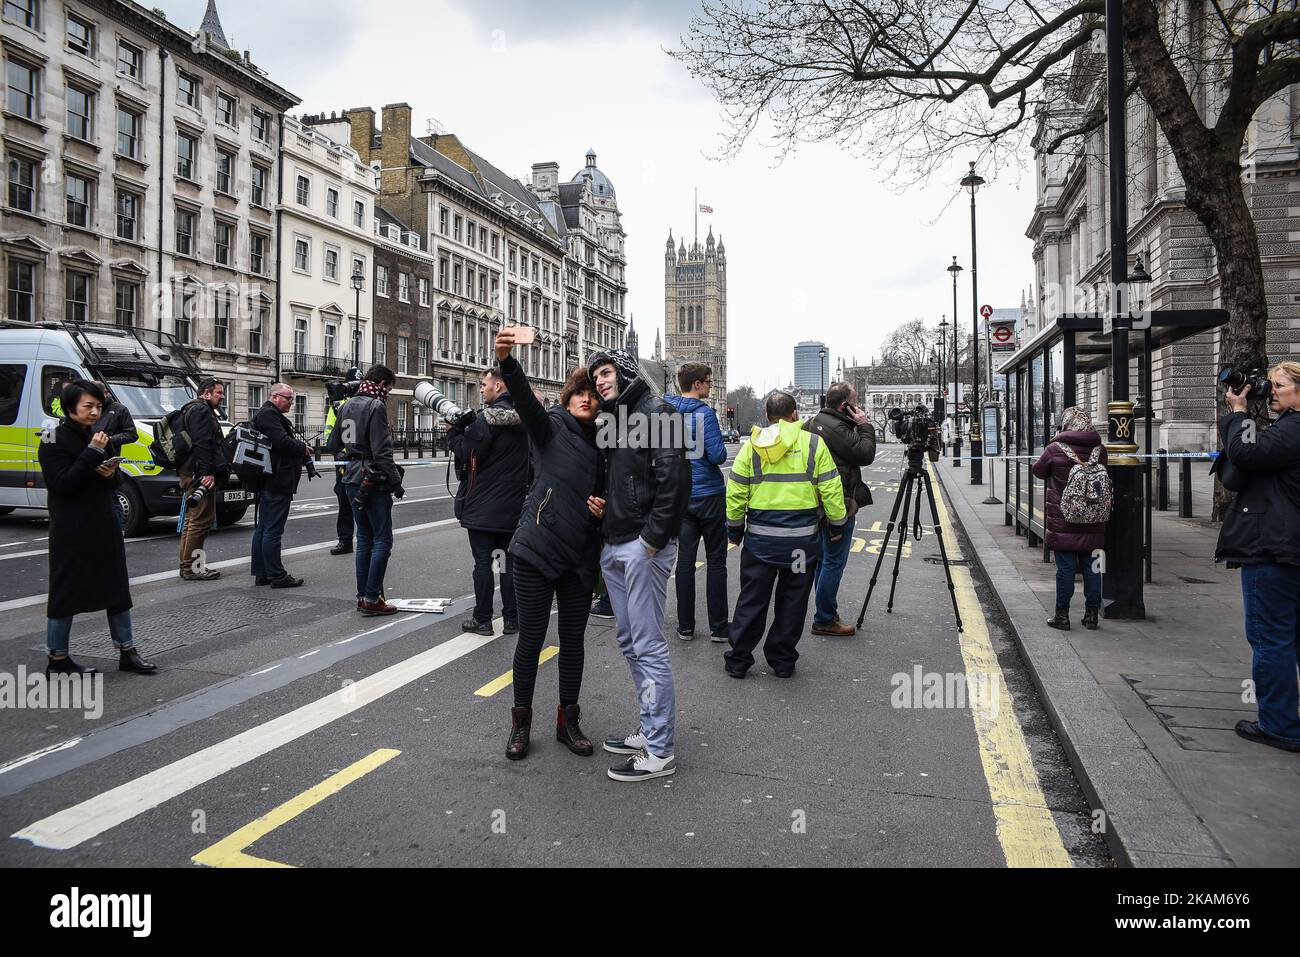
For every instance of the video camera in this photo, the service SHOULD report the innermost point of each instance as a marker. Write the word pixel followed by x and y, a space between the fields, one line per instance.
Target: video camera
pixel 346 388
pixel 427 394
pixel 916 427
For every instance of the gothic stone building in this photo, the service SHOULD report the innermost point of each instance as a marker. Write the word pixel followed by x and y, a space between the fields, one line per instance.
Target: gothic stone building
pixel 695 309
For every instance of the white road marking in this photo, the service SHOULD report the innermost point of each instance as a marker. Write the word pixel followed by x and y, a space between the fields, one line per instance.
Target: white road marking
pixel 228 563
pixel 29 758
pixel 73 826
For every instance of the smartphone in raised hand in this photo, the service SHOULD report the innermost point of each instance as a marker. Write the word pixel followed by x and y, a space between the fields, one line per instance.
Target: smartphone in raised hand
pixel 524 335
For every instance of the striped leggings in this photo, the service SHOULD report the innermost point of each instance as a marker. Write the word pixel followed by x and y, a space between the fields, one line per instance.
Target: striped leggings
pixel 533 594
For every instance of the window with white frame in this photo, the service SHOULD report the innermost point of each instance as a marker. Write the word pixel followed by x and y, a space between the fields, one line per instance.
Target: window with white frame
pixel 443 214
pixel 256 396
pixel 401 355
pixel 226 108
pixel 80 121
pixel 424 291
pixel 223 233
pixel 302 191
pixel 403 286
pixel 24 12
pixel 258 177
pixel 130 60
pixel 128 132
pixel 79 192
pixel 126 301
pixel 185 245
pixel 20 93
pixel 301 254
pixel 225 171
pixel 187 306
pixel 424 357
pixel 22 184
pixel 187 156
pixel 257 253
pixel 299 334
pixel 256 323
pixel 381 348
pixel 331 264
pixel 187 89
pixel 332 202
pixel 77 296
pixel 381 281
pixel 358 214
pixel 331 340
pixel 221 320
pixel 22 290
pixel 128 215
pixel 299 412
pixel 471 230
pixel 457 223
pixel 261 125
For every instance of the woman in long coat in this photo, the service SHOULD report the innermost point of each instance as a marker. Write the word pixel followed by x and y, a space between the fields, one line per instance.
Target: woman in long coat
pixel 1074 546
pixel 87 554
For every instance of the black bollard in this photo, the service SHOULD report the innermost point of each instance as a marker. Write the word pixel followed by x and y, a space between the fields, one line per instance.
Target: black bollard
pixel 1185 488
pixel 1162 480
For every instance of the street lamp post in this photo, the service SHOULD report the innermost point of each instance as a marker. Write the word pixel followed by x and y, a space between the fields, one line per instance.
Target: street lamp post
pixel 1123 548
pixel 953 270
pixel 973 181
pixel 943 369
pixel 358 280
pixel 821 372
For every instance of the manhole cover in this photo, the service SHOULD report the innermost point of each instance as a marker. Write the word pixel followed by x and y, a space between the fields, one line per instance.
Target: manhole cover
pixel 156 634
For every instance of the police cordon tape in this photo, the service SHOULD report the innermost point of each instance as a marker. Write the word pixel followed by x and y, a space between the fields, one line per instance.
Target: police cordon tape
pixel 328 463
pixel 1127 455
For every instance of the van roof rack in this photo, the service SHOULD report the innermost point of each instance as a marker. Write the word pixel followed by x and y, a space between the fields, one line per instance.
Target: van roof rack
pixel 128 348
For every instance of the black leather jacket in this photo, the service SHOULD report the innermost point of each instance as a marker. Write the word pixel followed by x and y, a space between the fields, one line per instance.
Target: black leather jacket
pixel 647 488
pixel 1262 524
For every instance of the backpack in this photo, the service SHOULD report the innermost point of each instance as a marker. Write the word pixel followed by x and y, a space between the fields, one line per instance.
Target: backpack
pixel 249 453
pixel 1088 493
pixel 171 444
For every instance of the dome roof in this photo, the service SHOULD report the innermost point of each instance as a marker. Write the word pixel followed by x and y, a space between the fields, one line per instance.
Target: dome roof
pixel 601 187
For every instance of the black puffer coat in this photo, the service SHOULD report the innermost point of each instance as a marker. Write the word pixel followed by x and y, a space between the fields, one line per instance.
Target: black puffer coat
pixel 87 554
pixel 556 531
pixel 1262 524
pixel 492 453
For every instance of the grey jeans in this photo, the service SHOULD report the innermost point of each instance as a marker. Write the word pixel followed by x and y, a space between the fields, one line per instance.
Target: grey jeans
pixel 638 588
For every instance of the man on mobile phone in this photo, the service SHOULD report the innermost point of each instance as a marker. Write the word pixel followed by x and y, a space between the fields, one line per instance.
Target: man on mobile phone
pixel 848 435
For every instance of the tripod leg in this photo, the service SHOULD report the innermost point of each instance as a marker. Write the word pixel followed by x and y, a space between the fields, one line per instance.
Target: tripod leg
pixel 943 552
pixel 902 536
pixel 875 572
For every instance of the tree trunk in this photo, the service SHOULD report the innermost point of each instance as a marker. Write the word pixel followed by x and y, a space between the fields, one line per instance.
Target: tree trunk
pixel 1211 168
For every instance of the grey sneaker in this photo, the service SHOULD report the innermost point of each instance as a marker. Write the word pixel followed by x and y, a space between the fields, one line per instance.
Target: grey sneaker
pixel 643 767
pixel 632 744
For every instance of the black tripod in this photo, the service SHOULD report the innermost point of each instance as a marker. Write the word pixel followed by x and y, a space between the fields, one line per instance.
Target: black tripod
pixel 914 476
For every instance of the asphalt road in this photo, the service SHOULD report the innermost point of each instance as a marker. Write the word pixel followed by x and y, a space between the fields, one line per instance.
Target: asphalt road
pixel 285 728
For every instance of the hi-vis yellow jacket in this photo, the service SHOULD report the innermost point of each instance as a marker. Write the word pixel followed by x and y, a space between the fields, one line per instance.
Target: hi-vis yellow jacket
pixel 781 476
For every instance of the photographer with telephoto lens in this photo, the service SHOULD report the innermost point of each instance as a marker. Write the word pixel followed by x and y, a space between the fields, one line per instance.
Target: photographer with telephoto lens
pixel 372 480
pixel 1261 536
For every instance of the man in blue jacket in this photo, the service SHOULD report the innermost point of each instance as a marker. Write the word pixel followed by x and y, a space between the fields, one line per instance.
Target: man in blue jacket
pixel 706 516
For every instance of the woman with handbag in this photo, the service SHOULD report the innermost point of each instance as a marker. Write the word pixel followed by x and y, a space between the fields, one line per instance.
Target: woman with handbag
pixel 1261 536
pixel 556 545
pixel 1076 546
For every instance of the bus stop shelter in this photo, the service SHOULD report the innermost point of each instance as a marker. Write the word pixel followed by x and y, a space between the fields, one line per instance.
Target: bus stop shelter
pixel 1042 376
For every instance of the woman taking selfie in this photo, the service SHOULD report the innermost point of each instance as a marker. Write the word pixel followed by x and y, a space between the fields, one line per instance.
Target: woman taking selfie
pixel 1261 536
pixel 87 554
pixel 556 547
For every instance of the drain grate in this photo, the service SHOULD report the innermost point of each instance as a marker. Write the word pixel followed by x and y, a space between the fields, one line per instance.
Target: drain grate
pixel 219 615
pixel 955 562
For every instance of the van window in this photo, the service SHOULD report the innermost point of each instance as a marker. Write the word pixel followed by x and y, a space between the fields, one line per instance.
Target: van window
pixel 53 379
pixel 12 378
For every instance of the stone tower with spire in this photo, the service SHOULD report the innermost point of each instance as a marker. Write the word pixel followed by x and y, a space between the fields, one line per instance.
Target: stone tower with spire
pixel 633 346
pixel 211 27
pixel 695 308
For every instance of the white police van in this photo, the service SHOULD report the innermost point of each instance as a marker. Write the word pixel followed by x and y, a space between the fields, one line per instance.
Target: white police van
pixel 149 372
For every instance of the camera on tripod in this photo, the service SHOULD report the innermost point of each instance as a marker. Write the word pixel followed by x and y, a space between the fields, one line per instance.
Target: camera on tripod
pixel 1258 386
pixel 916 428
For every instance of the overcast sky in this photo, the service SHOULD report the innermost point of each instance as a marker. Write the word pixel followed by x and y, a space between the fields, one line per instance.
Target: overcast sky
pixel 817 246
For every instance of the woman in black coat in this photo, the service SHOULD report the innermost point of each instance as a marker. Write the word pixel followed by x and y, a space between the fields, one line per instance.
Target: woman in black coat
pixel 87 554
pixel 556 546
pixel 1261 536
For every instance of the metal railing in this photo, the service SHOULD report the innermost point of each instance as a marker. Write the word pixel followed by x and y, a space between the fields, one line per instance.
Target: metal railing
pixel 301 363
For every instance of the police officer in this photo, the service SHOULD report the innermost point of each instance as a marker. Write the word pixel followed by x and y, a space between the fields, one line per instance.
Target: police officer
pixel 782 474
pixel 339 394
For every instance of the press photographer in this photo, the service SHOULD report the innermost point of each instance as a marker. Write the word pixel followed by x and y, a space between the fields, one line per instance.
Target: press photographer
pixel 1261 536
pixel 372 480
pixel 288 455
pixel 201 475
pixel 492 460
pixel 337 393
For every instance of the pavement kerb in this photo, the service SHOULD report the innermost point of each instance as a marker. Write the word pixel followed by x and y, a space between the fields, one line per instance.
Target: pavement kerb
pixel 1119 775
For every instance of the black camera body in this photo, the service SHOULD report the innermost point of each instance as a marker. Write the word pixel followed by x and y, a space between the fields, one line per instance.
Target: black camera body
pixel 915 427
pixel 1258 386
pixel 371 479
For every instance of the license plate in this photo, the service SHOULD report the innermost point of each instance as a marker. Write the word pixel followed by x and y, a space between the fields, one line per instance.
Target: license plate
pixel 236 496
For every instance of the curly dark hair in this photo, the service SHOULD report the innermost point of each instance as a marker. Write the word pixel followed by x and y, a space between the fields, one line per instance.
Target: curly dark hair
pixel 579 380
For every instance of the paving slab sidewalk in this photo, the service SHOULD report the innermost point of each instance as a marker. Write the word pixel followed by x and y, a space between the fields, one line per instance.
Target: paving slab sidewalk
pixel 1145 709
